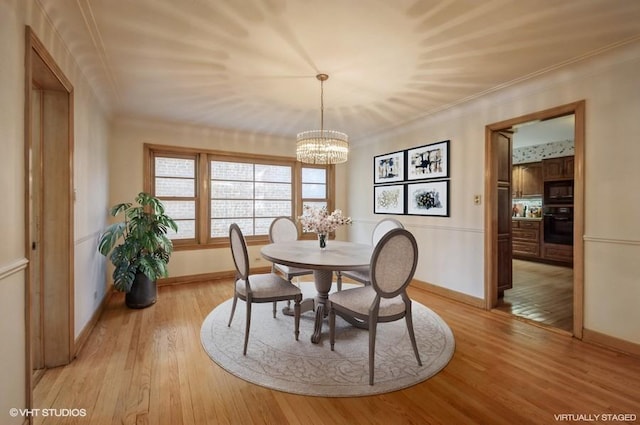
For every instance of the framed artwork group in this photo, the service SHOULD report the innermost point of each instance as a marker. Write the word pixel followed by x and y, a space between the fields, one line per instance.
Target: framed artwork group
pixel 414 181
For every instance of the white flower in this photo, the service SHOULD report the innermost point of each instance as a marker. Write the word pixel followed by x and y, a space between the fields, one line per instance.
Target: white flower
pixel 318 220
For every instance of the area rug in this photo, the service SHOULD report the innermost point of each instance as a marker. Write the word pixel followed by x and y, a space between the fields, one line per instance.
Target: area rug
pixel 276 360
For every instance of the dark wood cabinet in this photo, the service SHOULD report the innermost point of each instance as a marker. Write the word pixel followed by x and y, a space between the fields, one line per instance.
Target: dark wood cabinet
pixel 557 252
pixel 526 180
pixel 558 168
pixel 526 238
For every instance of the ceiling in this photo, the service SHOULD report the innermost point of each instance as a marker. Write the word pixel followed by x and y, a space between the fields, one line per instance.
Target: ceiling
pixel 546 131
pixel 250 65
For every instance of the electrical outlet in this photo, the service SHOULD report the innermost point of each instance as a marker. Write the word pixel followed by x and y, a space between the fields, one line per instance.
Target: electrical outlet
pixel 477 199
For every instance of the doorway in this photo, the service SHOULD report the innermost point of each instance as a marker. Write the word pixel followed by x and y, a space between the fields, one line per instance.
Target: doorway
pixel 500 182
pixel 49 221
pixel 542 223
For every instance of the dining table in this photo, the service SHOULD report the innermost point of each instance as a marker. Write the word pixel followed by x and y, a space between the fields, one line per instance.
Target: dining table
pixel 307 254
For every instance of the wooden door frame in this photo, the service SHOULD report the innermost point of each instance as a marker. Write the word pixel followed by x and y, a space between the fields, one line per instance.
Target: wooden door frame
pixel 60 83
pixel 491 208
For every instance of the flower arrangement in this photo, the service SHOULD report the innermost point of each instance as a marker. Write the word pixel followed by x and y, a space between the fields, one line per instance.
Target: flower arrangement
pixel 318 220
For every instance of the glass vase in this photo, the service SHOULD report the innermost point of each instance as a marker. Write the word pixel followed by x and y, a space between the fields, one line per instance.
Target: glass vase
pixel 322 239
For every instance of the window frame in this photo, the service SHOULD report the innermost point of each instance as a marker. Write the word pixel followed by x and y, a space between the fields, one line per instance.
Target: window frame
pixel 203 239
pixel 149 185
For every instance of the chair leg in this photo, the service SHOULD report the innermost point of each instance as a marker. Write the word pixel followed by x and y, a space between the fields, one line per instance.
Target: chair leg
pixel 233 307
pixel 274 309
pixel 373 324
pixel 291 282
pixel 246 329
pixel 332 326
pixel 412 335
pixel 296 316
pixel 339 281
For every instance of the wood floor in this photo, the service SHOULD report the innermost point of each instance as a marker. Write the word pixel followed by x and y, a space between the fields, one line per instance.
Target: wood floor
pixel 148 367
pixel 542 293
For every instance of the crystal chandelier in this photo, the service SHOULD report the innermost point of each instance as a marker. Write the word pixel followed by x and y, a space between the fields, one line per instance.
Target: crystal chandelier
pixel 322 146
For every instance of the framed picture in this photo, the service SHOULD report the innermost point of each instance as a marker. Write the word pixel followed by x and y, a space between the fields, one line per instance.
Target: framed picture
pixel 388 199
pixel 428 198
pixel 388 168
pixel 428 162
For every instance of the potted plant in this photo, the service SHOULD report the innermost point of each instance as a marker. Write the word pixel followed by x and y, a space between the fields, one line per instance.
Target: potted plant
pixel 142 255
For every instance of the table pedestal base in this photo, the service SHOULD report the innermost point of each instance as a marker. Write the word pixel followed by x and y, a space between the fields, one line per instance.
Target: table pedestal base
pixel 323 280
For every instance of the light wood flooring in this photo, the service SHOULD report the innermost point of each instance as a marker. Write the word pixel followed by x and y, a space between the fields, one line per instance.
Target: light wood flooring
pixel 542 293
pixel 148 367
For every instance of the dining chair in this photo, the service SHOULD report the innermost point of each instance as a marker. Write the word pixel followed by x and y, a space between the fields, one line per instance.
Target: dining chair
pixel 393 265
pixel 284 229
pixel 362 275
pixel 258 288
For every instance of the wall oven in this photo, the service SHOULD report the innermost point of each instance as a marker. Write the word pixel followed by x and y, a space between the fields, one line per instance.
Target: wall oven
pixel 558 225
pixel 558 192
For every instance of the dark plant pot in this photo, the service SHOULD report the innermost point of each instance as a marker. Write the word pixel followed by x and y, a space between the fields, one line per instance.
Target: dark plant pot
pixel 144 292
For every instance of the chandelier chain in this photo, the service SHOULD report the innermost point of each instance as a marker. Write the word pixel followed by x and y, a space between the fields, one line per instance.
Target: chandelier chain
pixel 321 105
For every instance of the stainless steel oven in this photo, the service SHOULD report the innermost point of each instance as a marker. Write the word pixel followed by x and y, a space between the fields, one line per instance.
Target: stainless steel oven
pixel 558 225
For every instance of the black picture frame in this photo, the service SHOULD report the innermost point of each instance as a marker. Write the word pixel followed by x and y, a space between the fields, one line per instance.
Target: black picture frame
pixel 428 161
pixel 428 198
pixel 389 167
pixel 389 199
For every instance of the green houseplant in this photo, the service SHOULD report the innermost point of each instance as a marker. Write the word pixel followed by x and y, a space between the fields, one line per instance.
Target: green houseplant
pixel 139 248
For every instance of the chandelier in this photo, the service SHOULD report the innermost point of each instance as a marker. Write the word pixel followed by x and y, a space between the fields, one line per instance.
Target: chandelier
pixel 322 146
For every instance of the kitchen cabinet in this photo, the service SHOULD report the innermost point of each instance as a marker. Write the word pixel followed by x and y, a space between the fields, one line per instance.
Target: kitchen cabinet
pixel 526 235
pixel 558 168
pixel 558 252
pixel 526 180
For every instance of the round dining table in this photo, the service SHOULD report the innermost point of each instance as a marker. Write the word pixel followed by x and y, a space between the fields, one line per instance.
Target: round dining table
pixel 307 254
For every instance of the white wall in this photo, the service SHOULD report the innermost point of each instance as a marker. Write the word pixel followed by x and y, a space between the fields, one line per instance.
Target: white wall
pixel 91 183
pixel 90 173
pixel 12 262
pixel 451 249
pixel 126 173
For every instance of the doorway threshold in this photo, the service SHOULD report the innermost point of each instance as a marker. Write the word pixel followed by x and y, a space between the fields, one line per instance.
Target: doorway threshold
pixel 533 322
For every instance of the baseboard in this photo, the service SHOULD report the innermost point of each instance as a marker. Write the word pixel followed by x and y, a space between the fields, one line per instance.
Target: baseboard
pixel 88 328
pixel 611 342
pixel 449 293
pixel 204 277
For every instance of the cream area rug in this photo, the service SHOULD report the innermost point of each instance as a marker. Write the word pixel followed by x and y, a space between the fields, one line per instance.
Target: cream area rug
pixel 276 360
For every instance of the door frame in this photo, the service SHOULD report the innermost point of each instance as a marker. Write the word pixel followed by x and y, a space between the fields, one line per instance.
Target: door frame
pixel 58 241
pixel 491 207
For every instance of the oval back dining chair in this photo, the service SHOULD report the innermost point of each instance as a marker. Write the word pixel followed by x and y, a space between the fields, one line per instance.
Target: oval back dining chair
pixel 258 288
pixel 393 265
pixel 363 275
pixel 284 229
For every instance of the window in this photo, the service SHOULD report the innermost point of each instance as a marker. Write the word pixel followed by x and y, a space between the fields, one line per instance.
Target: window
pixel 175 186
pixel 251 195
pixel 314 187
pixel 206 191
